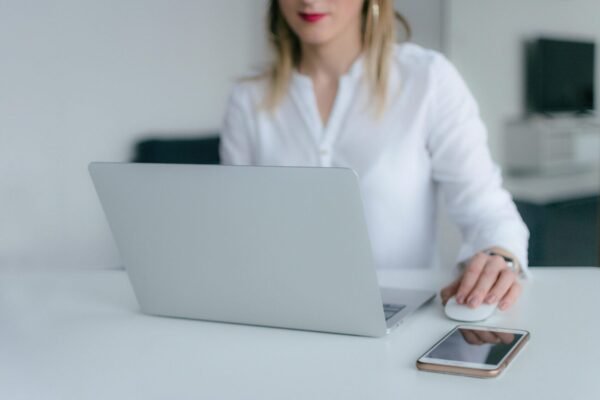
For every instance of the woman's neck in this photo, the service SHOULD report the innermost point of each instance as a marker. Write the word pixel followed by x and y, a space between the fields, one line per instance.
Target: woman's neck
pixel 333 59
pixel 325 63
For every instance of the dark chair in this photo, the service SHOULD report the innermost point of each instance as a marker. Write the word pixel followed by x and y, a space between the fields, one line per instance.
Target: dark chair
pixel 564 232
pixel 198 150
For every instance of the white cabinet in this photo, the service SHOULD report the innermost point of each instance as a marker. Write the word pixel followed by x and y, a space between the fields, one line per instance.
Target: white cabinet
pixel 552 145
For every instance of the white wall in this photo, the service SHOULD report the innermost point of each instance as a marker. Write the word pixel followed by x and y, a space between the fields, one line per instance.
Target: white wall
pixel 426 18
pixel 484 39
pixel 80 80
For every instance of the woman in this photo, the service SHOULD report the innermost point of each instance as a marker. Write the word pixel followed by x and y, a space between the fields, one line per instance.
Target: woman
pixel 342 93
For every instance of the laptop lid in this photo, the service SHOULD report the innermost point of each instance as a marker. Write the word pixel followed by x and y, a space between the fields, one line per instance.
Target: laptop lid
pixel 274 246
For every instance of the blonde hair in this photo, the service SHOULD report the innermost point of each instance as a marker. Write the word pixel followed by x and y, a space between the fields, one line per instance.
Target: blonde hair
pixel 378 36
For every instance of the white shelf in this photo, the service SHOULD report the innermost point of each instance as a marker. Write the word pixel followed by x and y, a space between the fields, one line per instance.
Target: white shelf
pixel 543 189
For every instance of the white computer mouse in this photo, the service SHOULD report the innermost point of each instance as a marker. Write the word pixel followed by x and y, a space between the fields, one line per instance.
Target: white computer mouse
pixel 462 312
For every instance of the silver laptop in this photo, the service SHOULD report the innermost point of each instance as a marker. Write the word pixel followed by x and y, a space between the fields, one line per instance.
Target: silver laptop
pixel 271 246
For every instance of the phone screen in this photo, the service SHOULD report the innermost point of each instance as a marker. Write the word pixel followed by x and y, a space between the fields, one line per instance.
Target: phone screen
pixel 475 346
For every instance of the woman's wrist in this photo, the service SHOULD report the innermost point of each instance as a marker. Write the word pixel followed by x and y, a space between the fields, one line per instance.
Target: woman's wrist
pixel 511 261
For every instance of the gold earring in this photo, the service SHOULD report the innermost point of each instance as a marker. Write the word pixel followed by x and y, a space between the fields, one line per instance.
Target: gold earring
pixel 375 11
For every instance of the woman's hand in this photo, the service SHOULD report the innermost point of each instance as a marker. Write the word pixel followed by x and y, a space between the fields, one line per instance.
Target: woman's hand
pixel 485 279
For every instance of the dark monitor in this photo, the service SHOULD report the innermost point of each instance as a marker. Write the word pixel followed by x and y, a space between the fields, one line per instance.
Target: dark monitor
pixel 560 76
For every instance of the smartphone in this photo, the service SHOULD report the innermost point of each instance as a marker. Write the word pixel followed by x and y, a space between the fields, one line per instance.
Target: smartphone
pixel 477 351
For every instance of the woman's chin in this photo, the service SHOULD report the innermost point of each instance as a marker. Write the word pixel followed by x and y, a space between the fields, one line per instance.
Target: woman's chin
pixel 315 38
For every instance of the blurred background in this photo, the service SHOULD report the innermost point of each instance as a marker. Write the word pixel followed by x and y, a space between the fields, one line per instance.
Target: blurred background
pixel 87 80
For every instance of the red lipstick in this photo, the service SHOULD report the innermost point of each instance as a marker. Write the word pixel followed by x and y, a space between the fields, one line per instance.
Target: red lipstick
pixel 312 17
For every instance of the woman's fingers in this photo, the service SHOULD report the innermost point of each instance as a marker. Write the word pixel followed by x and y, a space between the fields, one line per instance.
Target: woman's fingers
pixel 449 291
pixel 501 287
pixel 511 297
pixel 470 276
pixel 487 279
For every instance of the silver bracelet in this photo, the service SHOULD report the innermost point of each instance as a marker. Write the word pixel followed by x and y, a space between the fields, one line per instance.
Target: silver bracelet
pixel 510 262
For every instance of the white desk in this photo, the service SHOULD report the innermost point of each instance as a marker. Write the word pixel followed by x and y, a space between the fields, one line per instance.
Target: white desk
pixel 79 335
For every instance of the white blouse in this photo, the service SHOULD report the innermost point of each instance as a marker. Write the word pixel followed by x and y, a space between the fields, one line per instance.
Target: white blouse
pixel 430 139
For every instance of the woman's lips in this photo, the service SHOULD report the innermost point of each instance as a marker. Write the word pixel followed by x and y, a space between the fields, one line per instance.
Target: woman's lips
pixel 312 17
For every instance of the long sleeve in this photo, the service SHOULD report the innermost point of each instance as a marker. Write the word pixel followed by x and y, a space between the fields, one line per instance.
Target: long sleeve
pixel 469 180
pixel 236 147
